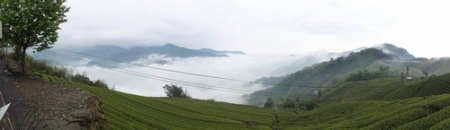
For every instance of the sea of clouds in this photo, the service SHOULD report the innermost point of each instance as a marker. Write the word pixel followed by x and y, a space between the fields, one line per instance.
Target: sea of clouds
pixel 139 76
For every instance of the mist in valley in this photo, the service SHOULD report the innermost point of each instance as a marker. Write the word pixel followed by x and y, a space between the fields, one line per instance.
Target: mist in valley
pixel 146 81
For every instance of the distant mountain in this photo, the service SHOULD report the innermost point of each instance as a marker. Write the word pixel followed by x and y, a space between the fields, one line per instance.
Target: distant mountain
pixel 167 50
pixel 103 50
pixel 103 53
pixel 398 52
pixel 336 70
pixel 225 52
pixel 305 61
pixel 320 74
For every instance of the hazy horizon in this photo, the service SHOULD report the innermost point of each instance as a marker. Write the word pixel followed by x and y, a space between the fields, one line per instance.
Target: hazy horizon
pixel 239 67
pixel 274 29
pixel 261 27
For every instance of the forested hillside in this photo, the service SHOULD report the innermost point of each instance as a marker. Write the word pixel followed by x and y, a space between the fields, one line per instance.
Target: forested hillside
pixel 303 83
pixel 371 63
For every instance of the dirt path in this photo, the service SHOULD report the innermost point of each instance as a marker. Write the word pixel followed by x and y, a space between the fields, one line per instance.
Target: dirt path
pixel 37 104
pixel 275 120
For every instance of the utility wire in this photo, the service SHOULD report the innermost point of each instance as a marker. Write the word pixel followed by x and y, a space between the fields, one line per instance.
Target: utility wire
pixel 201 75
pixel 163 79
pixel 187 73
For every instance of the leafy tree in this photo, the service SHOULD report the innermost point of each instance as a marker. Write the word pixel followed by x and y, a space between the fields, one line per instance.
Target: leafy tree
pixel 31 23
pixel 425 73
pixel 82 78
pixel 363 75
pixel 407 70
pixel 322 73
pixel 309 105
pixel 286 103
pixel 100 84
pixel 269 103
pixel 175 91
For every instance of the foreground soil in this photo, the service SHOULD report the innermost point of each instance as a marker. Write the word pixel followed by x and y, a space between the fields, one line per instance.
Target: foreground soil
pixel 39 104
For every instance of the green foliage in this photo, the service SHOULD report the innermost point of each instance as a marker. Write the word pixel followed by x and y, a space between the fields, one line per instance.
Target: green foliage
pixel 363 75
pixel 287 103
pixel 31 24
pixel 127 111
pixel 428 121
pixel 445 124
pixel 421 88
pixel 100 84
pixel 396 120
pixel 82 78
pixel 408 113
pixel 269 103
pixel 309 105
pixel 42 68
pixel 322 73
pixel 175 91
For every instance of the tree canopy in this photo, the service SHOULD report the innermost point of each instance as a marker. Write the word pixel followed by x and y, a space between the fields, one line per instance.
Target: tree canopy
pixel 269 103
pixel 31 24
pixel 175 91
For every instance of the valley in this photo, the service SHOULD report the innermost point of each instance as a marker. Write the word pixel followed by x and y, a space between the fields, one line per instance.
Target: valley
pixel 224 65
pixel 362 90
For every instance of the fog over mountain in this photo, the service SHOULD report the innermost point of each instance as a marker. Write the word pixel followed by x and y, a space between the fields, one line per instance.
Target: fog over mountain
pixel 138 76
pixel 320 56
pixel 136 72
pixel 113 55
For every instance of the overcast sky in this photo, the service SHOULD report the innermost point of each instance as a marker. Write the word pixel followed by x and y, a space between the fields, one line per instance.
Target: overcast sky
pixel 262 27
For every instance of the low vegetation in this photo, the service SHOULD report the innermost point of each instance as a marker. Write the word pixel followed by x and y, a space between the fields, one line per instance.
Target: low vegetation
pixel 44 69
pixel 175 91
pixel 127 111
pixel 412 113
pixel 379 103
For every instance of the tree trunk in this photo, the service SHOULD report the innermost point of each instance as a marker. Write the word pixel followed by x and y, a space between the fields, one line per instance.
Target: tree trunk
pixel 22 60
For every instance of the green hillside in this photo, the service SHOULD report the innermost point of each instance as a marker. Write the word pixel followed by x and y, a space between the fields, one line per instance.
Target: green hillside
pixel 413 113
pixel 380 103
pixel 333 73
pixel 387 89
pixel 419 104
pixel 386 103
pixel 319 74
pixel 127 111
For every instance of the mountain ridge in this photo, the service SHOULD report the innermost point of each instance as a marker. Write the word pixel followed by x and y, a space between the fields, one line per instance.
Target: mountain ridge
pixel 398 53
pixel 396 60
pixel 101 54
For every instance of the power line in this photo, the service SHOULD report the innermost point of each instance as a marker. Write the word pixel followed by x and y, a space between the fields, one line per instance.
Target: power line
pixel 164 79
pixel 188 73
pixel 157 68
pixel 203 75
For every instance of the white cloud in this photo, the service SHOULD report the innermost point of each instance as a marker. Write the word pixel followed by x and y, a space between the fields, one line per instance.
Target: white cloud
pixel 241 67
pixel 255 27
pixel 261 27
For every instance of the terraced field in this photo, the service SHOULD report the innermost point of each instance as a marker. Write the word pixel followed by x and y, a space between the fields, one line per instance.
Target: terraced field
pixel 127 111
pixel 433 112
pixel 388 89
pixel 430 86
pixel 373 104
pixel 364 90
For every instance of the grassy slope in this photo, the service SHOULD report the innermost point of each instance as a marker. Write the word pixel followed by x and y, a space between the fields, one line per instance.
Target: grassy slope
pixel 412 113
pixel 388 89
pixel 378 104
pixel 373 104
pixel 127 111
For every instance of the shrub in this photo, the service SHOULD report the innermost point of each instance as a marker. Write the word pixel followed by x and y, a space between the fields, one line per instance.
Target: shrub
pixel 175 91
